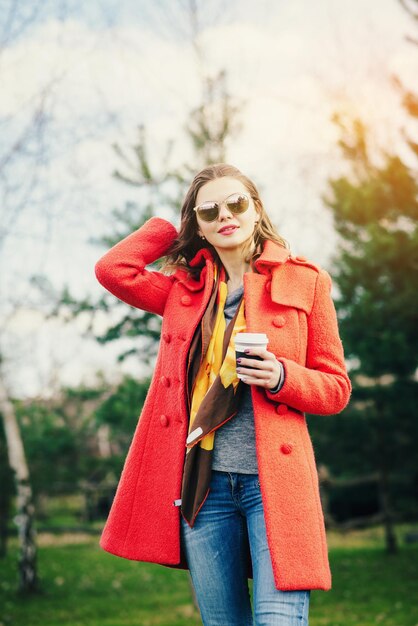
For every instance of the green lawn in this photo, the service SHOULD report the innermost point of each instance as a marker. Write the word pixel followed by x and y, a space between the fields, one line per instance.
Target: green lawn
pixel 84 586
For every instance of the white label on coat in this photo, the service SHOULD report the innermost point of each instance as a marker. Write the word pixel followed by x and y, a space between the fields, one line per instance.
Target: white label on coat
pixel 194 434
pixel 177 502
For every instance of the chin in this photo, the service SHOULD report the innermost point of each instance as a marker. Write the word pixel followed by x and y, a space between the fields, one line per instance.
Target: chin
pixel 230 245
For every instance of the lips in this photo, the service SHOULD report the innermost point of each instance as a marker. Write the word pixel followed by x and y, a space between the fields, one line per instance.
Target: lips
pixel 227 229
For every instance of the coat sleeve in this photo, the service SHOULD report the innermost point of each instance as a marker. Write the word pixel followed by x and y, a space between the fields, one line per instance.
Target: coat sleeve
pixel 322 387
pixel 122 269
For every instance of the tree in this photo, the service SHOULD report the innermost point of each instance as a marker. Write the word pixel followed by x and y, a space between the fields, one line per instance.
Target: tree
pixel 14 200
pixel 28 580
pixel 411 6
pixel 375 211
pixel 31 145
pixel 211 125
pixel 6 492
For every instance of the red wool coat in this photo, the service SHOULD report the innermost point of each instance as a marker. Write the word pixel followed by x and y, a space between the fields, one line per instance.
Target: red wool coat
pixel 289 299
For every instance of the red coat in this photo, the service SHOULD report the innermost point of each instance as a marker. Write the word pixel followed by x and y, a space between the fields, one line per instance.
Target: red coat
pixel 289 300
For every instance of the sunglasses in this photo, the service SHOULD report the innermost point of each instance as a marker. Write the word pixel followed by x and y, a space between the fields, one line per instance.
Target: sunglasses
pixel 236 203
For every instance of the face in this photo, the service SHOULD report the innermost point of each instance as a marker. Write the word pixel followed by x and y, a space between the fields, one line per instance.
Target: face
pixel 218 190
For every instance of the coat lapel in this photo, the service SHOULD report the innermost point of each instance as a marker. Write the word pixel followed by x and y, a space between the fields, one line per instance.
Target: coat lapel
pixel 286 287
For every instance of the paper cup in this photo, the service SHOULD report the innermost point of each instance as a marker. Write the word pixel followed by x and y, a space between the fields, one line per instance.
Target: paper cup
pixel 244 341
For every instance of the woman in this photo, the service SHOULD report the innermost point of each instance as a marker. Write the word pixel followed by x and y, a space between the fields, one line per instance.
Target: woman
pixel 221 477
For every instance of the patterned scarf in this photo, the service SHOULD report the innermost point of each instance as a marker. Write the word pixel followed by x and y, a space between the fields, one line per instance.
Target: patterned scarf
pixel 216 391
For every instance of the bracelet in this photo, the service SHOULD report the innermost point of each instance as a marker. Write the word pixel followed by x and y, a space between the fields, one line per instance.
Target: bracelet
pixel 281 380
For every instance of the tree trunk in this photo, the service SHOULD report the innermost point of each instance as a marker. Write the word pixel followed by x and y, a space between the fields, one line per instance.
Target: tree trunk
pixel 28 581
pixel 384 491
pixel 388 522
pixel 103 441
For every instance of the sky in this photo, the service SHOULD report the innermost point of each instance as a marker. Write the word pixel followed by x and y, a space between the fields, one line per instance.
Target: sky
pixel 91 73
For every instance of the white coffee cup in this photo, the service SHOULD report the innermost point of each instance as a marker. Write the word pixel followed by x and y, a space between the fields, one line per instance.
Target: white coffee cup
pixel 244 341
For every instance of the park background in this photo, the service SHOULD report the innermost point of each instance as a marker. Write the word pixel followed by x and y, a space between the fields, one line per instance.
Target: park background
pixel 107 109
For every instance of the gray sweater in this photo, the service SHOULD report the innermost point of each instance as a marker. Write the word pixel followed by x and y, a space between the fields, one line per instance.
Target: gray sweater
pixel 234 446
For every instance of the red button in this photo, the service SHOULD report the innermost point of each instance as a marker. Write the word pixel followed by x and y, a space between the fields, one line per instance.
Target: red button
pixel 167 337
pixel 163 420
pixel 286 448
pixel 165 381
pixel 281 409
pixel 182 336
pixel 268 285
pixel 279 321
pixel 186 300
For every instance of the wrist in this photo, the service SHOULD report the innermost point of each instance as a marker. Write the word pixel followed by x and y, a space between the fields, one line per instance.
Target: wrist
pixel 279 384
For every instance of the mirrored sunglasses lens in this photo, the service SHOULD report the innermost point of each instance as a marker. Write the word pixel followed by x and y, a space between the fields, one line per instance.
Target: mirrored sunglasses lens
pixel 208 211
pixel 237 203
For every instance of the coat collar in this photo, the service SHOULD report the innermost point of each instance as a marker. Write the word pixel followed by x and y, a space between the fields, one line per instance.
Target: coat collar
pixel 291 285
pixel 204 255
pixel 273 254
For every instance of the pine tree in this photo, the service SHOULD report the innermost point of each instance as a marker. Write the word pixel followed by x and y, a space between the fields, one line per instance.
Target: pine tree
pixel 375 211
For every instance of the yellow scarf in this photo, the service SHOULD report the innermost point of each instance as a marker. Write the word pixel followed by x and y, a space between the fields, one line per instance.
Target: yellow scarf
pixel 211 365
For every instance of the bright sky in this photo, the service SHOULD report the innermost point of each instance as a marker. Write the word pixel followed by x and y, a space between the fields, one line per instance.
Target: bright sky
pixel 106 66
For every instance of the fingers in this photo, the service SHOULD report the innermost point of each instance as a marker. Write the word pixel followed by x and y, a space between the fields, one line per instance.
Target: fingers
pixel 263 352
pixel 250 363
pixel 255 372
pixel 261 373
pixel 268 359
pixel 268 381
pixel 255 381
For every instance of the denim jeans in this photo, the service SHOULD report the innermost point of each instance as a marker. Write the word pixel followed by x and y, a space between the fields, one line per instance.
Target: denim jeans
pixel 216 547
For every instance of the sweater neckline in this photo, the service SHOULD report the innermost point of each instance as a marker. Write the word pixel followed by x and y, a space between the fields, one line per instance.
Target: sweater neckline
pixel 235 292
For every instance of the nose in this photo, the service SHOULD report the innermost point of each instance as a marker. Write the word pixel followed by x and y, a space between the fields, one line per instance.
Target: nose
pixel 224 212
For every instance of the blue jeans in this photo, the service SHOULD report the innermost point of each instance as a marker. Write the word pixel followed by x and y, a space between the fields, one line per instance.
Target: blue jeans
pixel 216 547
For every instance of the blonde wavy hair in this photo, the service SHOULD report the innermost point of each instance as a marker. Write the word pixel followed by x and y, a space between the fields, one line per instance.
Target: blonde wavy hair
pixel 188 242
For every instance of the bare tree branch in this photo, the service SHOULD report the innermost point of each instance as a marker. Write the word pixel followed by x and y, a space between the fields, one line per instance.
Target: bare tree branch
pixel 411 6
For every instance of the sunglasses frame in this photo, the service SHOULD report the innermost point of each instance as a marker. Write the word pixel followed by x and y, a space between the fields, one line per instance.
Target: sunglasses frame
pixel 219 204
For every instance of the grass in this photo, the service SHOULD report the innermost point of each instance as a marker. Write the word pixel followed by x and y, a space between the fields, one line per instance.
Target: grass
pixel 84 586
